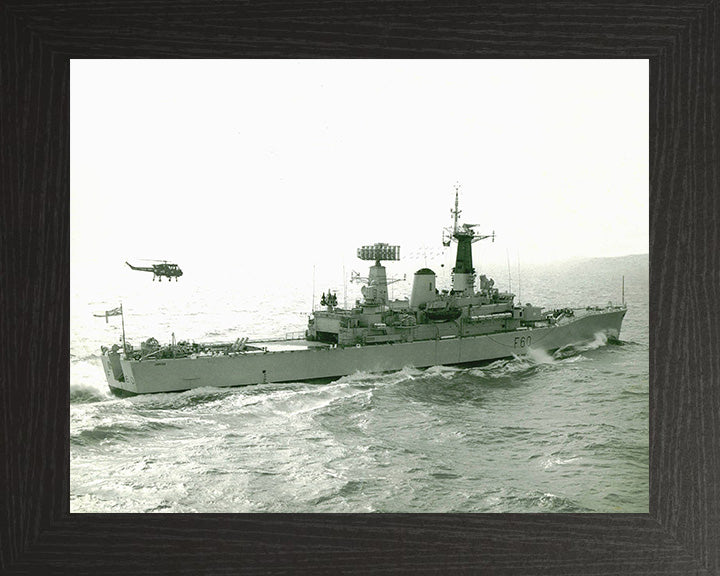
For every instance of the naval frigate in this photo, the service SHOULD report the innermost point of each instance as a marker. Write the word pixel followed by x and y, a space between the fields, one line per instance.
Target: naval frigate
pixel 471 322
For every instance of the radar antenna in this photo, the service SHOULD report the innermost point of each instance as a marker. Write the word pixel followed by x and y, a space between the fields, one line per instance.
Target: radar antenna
pixel 377 282
pixel 462 231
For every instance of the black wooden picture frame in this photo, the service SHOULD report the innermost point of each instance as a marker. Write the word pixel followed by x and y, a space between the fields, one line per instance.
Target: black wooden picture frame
pixel 680 535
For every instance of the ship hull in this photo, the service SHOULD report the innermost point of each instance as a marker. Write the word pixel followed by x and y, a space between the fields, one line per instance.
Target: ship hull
pixel 178 374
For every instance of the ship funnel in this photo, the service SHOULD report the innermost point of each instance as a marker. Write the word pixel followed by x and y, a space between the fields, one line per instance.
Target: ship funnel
pixel 423 289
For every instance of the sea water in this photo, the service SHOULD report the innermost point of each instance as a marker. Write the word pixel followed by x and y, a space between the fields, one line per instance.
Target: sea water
pixel 548 432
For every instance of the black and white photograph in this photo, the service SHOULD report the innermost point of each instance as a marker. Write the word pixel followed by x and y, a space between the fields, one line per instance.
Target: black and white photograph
pixel 364 286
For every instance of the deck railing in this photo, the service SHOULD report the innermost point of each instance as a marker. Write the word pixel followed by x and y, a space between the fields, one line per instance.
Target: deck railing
pixel 300 335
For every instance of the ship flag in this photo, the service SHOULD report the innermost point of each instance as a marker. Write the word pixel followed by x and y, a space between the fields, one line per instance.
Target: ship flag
pixel 114 312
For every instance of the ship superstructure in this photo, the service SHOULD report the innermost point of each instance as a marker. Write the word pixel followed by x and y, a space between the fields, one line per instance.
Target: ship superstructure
pixel 464 324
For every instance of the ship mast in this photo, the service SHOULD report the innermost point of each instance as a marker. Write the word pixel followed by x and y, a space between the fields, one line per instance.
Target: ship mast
pixel 456 212
pixel 464 235
pixel 122 319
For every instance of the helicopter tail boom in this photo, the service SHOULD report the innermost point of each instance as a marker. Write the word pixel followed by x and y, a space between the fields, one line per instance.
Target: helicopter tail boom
pixel 139 267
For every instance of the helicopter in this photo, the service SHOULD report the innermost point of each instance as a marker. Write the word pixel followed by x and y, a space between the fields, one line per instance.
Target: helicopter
pixel 163 268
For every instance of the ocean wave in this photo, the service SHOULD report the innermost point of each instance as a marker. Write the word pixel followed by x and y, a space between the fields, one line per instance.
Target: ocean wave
pixel 359 377
pixel 124 431
pixel 317 399
pixel 392 377
pixel 642 391
pixel 182 400
pixel 598 341
pixel 446 372
pixel 572 359
pixel 440 373
pixel 352 488
pixel 434 390
pixel 88 356
pixel 517 367
pixel 540 356
pixel 555 461
pixel 82 394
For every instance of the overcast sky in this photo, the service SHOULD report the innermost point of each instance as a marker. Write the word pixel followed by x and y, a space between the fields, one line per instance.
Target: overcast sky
pixel 290 163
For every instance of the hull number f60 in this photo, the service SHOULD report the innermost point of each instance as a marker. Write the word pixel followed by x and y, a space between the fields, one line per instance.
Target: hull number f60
pixel 522 341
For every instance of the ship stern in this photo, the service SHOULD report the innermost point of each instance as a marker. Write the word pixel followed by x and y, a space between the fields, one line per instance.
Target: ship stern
pixel 115 372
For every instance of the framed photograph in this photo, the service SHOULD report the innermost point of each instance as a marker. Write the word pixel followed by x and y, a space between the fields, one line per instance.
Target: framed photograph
pixel 290 198
pixel 453 377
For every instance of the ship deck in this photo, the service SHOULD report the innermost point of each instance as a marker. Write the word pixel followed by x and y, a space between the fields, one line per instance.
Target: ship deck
pixel 284 345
